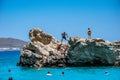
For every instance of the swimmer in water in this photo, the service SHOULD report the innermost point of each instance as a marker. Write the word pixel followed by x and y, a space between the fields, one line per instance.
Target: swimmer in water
pixel 49 74
pixel 62 73
pixel 9 70
pixel 106 73
pixel 10 78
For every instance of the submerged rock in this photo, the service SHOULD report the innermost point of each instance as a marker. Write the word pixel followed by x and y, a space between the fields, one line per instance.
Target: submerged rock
pixel 45 51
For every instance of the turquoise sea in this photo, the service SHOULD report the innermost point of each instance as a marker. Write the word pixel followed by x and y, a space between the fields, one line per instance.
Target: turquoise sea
pixel 8 60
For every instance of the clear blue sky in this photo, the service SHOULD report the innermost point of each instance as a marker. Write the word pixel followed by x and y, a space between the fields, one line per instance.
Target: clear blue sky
pixel 17 17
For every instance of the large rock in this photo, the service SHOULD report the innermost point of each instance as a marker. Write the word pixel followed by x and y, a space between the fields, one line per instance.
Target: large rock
pixel 94 52
pixel 41 51
pixel 38 35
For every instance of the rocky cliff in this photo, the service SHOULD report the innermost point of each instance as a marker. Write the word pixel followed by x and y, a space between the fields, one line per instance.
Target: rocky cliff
pixel 45 51
pixel 94 52
pixel 42 51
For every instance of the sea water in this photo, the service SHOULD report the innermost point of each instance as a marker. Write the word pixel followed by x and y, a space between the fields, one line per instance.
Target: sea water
pixel 8 60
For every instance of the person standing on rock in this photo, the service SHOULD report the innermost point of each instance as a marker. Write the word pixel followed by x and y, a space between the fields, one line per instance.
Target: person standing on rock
pixel 89 33
pixel 64 35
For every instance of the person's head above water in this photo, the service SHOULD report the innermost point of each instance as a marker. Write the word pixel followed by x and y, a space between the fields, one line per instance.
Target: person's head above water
pixel 62 73
pixel 106 73
pixel 9 70
pixel 10 78
pixel 49 74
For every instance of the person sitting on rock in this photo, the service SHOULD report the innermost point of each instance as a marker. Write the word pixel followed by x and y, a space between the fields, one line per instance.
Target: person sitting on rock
pixel 64 35
pixel 59 46
pixel 89 33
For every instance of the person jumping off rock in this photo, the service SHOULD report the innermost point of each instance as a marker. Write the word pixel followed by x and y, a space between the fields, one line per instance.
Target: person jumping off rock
pixel 64 35
pixel 89 33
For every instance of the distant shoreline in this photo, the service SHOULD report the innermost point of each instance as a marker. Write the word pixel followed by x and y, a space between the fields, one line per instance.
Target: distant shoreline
pixel 10 49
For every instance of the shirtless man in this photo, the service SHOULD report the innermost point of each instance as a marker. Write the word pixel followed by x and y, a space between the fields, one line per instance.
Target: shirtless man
pixel 89 33
pixel 64 35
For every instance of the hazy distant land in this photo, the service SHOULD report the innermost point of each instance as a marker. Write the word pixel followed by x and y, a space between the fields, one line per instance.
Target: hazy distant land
pixel 11 44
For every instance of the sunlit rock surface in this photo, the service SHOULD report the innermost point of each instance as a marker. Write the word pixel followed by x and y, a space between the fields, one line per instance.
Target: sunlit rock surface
pixel 43 51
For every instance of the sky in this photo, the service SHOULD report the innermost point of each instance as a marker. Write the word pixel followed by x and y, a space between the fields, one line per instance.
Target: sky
pixel 17 17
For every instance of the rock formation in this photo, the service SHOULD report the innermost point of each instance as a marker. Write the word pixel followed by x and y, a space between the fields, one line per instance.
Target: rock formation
pixel 94 52
pixel 42 51
pixel 45 51
pixel 37 35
